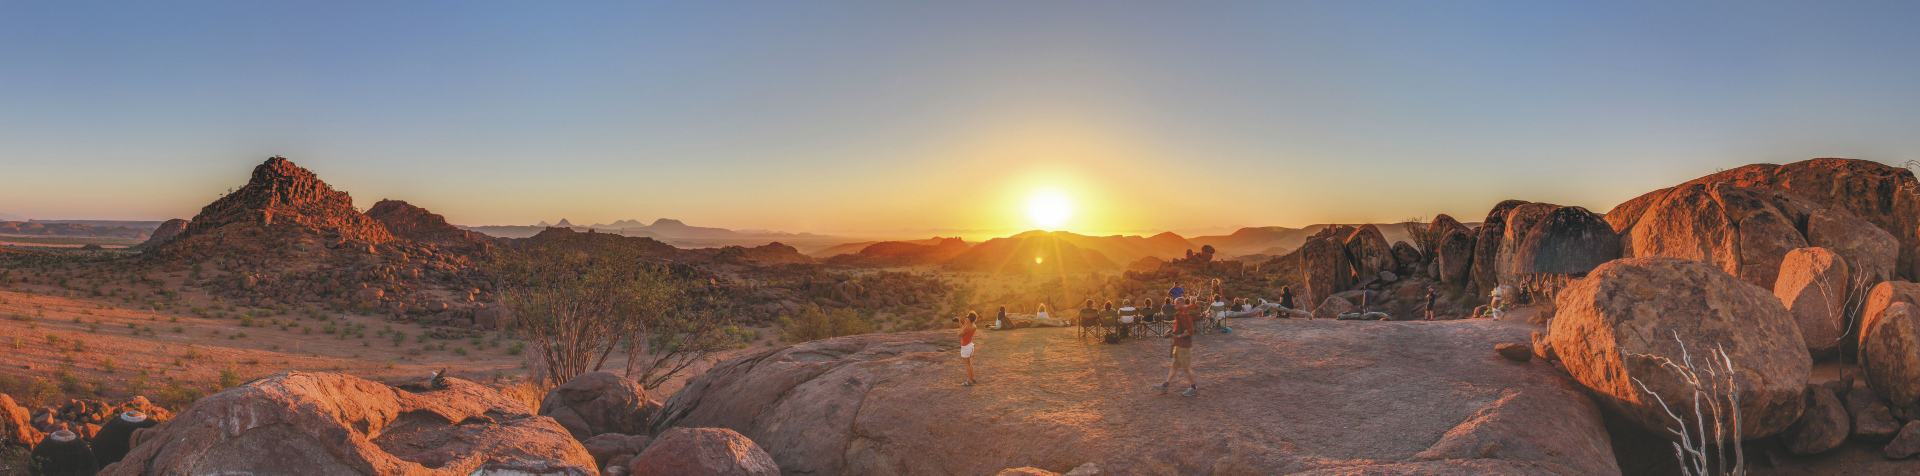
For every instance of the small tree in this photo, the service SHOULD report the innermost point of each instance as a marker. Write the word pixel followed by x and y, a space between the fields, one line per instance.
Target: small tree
pixel 576 305
pixel 674 341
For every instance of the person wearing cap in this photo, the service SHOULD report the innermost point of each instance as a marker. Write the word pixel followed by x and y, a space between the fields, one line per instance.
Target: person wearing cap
pixel 62 454
pixel 112 443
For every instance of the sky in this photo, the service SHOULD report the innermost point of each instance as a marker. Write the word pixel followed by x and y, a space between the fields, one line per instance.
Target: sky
pixel 845 116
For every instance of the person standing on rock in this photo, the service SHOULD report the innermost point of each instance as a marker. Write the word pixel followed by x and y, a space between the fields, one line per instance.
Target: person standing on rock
pixel 1432 293
pixel 966 345
pixel 1182 335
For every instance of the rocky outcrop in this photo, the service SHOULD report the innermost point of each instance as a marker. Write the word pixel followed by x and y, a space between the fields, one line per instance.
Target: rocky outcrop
pixel 1616 329
pixel 1567 241
pixel 861 404
pixel 1890 354
pixel 1487 245
pixel 703 452
pixel 1880 194
pixel 16 428
pixel 163 234
pixel 1441 225
pixel 775 253
pixel 1748 231
pixel 594 403
pixel 1407 257
pixel 409 222
pixel 282 194
pixel 324 423
pixel 1326 268
pixel 1822 426
pixel 1881 297
pixel 1455 257
pixel 1369 252
pixel 1813 286
pixel 1520 223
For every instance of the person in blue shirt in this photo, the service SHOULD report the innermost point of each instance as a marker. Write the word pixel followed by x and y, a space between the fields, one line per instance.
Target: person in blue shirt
pixel 1177 292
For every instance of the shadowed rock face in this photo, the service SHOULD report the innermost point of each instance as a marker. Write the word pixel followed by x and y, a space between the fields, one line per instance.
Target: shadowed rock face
pixel 324 423
pixel 1487 242
pixel 1327 269
pixel 1569 240
pixel 283 194
pixel 1520 225
pixel 409 222
pixel 1285 396
pixel 1890 354
pixel 1616 325
pixel 1369 251
pixel 166 231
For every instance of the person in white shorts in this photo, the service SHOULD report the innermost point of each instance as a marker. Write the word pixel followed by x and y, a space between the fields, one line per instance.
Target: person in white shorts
pixel 966 344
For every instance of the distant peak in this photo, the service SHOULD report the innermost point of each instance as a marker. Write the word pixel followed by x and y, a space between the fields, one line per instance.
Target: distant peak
pixel 564 222
pixel 668 222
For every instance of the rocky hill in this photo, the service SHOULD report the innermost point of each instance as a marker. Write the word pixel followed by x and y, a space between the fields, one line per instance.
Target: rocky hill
pixel 409 222
pixel 1031 253
pixel 282 195
pixel 166 232
pixel 902 253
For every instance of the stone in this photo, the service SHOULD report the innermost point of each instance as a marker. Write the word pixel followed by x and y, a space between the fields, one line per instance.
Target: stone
pixel 703 452
pixel 327 423
pixel 16 425
pixel 1872 254
pixel 1813 286
pixel 593 403
pixel 492 318
pixel 1025 471
pixel 1441 225
pixel 1369 251
pixel 1872 421
pixel 1326 268
pixel 165 232
pixel 858 404
pixel 1880 194
pixel 1514 352
pixel 1487 244
pixel 1333 307
pixel 1906 444
pixel 1890 354
pixel 1569 241
pixel 1823 426
pixel 1406 255
pixel 1090 469
pixel 1543 347
pixel 1388 277
pixel 1616 328
pixel 609 447
pixel 1520 223
pixel 1882 296
pixel 1454 258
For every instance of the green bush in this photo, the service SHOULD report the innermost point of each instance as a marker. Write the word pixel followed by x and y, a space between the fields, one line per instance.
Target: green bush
pixel 814 324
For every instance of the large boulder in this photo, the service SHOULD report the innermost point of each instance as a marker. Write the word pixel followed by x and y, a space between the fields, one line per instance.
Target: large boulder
pixel 1326 268
pixel 16 425
pixel 1618 330
pixel 1881 297
pixel 1890 354
pixel 1487 242
pixel 1333 307
pixel 889 404
pixel 1441 225
pixel 1822 426
pixel 1369 251
pixel 1872 421
pixel 1406 256
pixel 1877 193
pixel 599 402
pixel 1813 286
pixel 325 423
pixel 703 452
pixel 1455 257
pixel 1520 225
pixel 1568 241
pixel 1871 253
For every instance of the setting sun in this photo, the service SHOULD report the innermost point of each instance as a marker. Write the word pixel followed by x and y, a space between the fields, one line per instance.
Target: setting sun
pixel 1049 209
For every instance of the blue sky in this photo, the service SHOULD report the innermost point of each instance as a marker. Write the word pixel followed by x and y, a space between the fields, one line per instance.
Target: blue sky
pixel 833 116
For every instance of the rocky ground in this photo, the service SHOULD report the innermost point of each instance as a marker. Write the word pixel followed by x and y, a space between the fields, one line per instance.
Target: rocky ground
pixel 1277 396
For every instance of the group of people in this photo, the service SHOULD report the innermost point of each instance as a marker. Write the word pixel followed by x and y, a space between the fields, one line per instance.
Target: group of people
pixel 64 453
pixel 1177 309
